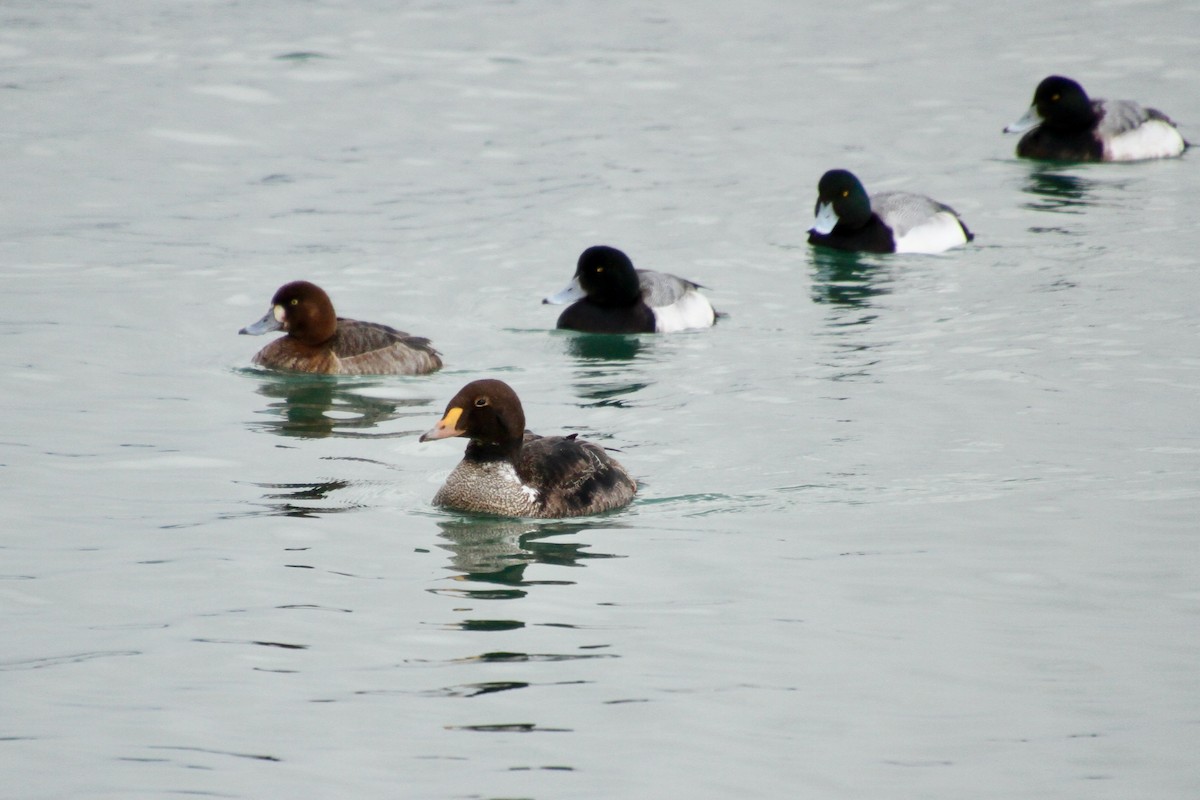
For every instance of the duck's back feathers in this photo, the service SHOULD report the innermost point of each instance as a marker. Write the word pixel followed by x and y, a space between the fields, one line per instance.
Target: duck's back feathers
pixel 1131 132
pixel 369 348
pixel 903 211
pixel 577 477
pixel 662 289
pixel 920 224
pixel 1120 116
pixel 676 303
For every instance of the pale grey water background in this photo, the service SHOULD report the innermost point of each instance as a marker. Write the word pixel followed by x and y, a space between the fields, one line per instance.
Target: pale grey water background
pixel 911 526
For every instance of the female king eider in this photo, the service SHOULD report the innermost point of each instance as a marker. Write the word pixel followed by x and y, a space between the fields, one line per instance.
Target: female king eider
pixel 510 472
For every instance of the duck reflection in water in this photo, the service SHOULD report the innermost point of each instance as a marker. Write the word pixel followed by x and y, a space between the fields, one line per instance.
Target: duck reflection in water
pixel 1058 192
pixel 605 346
pixel 304 500
pixel 320 406
pixel 496 552
pixel 843 278
pixel 604 366
pixel 846 284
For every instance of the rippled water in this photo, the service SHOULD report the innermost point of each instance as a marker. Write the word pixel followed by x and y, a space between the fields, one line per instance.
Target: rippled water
pixel 909 526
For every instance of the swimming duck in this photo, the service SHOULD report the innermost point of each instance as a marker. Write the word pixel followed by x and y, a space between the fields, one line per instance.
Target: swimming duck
pixel 608 295
pixel 1064 124
pixel 510 472
pixel 320 341
pixel 888 222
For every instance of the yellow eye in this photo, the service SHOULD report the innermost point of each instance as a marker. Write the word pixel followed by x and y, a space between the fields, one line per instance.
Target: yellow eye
pixel 845 192
pixel 480 402
pixel 295 301
pixel 599 269
pixel 1054 98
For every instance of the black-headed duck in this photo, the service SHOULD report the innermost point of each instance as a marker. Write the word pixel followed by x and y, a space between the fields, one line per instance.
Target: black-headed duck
pixel 609 296
pixel 510 472
pixel 318 340
pixel 847 218
pixel 1064 124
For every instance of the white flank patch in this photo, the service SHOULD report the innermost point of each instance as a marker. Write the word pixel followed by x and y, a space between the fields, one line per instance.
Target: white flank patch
pixel 1152 139
pixel 509 473
pixel 937 234
pixel 690 311
pixel 826 219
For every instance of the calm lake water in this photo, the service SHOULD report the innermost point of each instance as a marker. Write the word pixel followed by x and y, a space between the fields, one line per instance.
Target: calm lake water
pixel 909 526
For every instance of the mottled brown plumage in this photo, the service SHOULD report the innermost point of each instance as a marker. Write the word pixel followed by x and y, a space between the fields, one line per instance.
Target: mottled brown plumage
pixel 510 472
pixel 320 341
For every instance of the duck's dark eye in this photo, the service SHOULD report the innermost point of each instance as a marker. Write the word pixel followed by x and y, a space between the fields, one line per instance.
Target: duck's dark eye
pixel 295 301
pixel 480 402
pixel 1054 98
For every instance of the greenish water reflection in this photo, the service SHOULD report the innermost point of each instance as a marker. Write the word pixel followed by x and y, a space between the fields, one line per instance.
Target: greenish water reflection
pixel 1059 192
pixel 318 406
pixel 497 552
pixel 606 372
pixel 844 278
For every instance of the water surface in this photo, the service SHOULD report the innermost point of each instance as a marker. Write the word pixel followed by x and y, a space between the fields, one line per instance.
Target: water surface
pixel 909 526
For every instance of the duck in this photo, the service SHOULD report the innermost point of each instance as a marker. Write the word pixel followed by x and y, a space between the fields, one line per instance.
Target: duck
pixel 1064 124
pixel 847 218
pixel 608 295
pixel 319 341
pixel 507 471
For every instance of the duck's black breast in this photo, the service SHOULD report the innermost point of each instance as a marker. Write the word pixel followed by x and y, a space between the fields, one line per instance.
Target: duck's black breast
pixel 1049 144
pixel 590 317
pixel 573 477
pixel 873 237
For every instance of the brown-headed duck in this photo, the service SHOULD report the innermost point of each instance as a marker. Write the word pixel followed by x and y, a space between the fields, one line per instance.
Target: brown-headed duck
pixel 1064 124
pixel 609 296
pixel 847 218
pixel 318 340
pixel 510 472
